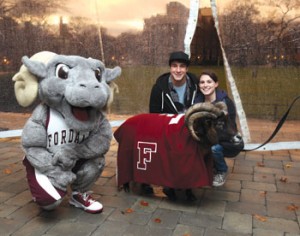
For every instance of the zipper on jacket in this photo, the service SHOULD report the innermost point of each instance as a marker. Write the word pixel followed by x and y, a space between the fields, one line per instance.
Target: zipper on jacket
pixel 168 96
pixel 162 101
pixel 193 98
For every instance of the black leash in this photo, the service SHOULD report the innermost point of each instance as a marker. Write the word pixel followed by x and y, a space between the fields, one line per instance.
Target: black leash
pixel 280 123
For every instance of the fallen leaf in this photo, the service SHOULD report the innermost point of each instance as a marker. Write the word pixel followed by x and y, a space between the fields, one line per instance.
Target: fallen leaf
pixel 7 171
pixel 260 164
pixel 128 210
pixel 288 165
pixel 283 179
pixel 157 220
pixel 144 203
pixel 187 234
pixel 263 193
pixel 260 218
pixel 292 207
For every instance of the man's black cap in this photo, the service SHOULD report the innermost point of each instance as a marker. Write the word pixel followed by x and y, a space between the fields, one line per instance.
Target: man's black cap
pixel 179 56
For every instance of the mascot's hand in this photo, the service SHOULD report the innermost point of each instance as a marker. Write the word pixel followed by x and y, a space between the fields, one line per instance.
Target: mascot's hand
pixel 65 178
pixel 64 159
pixel 60 178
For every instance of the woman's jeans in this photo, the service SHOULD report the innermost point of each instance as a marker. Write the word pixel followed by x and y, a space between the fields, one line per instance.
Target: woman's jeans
pixel 218 156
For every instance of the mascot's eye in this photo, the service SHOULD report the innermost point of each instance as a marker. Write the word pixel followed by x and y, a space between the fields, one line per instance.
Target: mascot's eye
pixel 98 74
pixel 62 71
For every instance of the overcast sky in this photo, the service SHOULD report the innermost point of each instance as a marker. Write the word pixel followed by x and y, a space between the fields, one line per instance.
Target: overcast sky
pixel 122 15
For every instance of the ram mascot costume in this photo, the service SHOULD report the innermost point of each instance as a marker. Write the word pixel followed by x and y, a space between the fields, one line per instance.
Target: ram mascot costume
pixel 67 135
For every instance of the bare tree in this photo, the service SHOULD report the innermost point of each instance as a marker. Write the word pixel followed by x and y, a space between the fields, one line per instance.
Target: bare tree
pixel 36 10
pixel 284 21
pixel 23 29
pixel 239 33
pixel 5 7
pixel 256 32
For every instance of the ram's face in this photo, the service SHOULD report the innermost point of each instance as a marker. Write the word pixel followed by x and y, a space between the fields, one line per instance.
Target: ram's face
pixel 75 87
pixel 209 124
pixel 218 129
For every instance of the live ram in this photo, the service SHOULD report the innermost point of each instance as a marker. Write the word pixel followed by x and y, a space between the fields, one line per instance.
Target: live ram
pixel 172 150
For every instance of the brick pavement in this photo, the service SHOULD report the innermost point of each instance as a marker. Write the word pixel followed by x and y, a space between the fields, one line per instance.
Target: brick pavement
pixel 261 197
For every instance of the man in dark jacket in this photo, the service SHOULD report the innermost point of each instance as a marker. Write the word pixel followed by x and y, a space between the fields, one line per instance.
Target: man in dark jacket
pixel 174 92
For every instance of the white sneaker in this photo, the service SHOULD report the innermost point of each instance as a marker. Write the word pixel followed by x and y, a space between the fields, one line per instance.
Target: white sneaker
pixel 85 202
pixel 219 179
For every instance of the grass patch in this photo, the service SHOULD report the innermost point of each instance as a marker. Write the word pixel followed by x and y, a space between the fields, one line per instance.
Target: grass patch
pixel 265 92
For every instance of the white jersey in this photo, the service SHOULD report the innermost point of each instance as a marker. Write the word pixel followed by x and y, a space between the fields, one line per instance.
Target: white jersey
pixel 58 132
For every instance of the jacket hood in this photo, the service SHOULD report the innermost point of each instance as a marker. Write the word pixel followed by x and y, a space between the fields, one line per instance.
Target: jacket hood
pixel 220 95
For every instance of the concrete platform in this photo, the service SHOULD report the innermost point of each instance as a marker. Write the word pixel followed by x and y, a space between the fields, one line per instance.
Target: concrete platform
pixel 261 197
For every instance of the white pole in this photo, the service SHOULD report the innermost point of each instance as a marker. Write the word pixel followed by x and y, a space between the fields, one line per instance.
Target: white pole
pixel 189 34
pixel 235 93
pixel 99 33
pixel 191 26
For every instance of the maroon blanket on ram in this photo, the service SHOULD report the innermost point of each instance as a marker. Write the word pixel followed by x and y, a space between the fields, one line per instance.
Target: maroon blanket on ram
pixel 158 149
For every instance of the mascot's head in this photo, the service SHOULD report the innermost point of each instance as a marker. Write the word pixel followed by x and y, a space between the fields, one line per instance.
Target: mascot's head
pixel 76 87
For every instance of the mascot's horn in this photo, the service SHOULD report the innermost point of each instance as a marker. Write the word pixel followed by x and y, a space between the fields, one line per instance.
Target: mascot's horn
pixel 26 84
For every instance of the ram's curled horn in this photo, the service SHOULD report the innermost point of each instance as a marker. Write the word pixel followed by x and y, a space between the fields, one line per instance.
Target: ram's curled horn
pixel 222 106
pixel 199 111
pixel 26 84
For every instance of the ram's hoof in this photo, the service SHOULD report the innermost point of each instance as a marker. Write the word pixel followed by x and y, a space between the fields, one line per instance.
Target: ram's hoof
pixel 170 193
pixel 126 187
pixel 190 197
pixel 147 189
